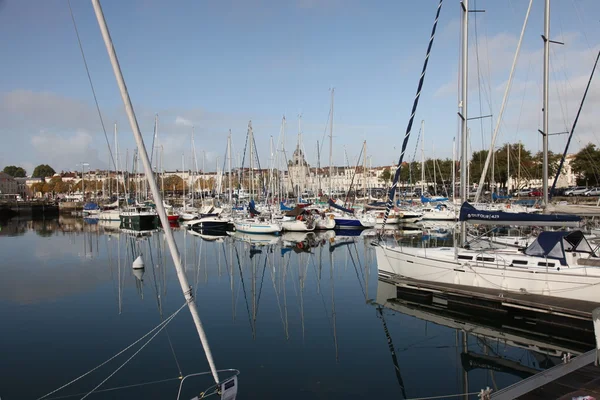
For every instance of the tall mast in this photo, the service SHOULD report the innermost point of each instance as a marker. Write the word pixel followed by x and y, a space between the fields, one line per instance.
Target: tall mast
pixel 453 169
pixel 185 286
pixel 433 163
pixel 271 161
pixel 285 190
pixel 251 140
pixel 507 168
pixel 422 157
pixel 318 174
pixel 229 167
pixel 331 145
pixel 464 154
pixel 545 100
pixel 203 174
pixel 117 163
pixel 365 170
pixel 183 180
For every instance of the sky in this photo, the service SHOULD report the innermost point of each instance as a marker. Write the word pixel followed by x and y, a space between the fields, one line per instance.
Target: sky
pixel 216 65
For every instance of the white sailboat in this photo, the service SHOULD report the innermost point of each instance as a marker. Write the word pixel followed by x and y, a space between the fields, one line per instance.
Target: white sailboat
pixel 111 212
pixel 559 264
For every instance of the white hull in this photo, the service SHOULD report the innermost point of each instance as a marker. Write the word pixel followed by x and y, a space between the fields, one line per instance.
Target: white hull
pixel 439 266
pixel 109 215
pixel 325 223
pixel 439 216
pixel 252 226
pixel 298 226
pixel 187 216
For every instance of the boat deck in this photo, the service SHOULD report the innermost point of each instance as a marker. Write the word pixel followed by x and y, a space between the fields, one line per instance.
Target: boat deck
pixel 540 303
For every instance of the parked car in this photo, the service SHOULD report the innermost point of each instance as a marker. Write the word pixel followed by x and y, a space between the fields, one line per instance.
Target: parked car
pixel 523 192
pixel 593 192
pixel 576 191
pixel 535 193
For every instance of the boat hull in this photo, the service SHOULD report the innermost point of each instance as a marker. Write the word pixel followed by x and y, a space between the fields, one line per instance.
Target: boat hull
pixel 139 222
pixel 257 228
pixel 438 266
pixel 297 226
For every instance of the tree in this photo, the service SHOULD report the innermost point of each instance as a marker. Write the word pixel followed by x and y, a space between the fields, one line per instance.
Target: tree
pixel 14 171
pixel 386 175
pixel 585 165
pixel 43 171
pixel 173 183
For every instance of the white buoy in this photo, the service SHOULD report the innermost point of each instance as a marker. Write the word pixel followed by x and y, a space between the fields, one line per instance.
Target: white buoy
pixel 138 263
pixel 139 273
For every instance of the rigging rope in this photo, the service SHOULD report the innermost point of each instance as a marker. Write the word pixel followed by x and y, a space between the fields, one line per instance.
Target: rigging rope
pixel 392 191
pixel 159 326
pixel 87 70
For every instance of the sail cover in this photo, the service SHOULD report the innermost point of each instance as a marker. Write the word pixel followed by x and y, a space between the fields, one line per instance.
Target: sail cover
pixel 336 206
pixel 283 207
pixel 252 208
pixel 554 244
pixel 499 197
pixel 472 215
pixel 432 199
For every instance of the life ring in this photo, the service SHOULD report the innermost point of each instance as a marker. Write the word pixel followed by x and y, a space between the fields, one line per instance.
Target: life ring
pixel 508 205
pixel 300 245
pixel 299 218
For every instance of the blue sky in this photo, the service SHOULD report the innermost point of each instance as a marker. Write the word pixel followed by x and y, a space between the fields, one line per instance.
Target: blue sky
pixel 218 64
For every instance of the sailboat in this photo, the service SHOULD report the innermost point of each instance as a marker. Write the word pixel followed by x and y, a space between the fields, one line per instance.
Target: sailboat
pixel 255 223
pixel 559 264
pixel 111 212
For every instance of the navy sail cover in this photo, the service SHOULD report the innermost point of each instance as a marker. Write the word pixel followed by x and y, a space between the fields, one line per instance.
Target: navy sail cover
pixel 471 214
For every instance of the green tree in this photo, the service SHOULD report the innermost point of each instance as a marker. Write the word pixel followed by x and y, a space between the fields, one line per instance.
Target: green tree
pixel 43 171
pixel 14 171
pixel 585 165
pixel 386 176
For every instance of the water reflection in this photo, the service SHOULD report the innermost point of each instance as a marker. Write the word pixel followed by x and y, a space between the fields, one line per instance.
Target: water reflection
pixel 302 309
pixel 489 338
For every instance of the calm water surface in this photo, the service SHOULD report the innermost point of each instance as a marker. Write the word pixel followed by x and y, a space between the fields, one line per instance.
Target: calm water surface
pixel 300 321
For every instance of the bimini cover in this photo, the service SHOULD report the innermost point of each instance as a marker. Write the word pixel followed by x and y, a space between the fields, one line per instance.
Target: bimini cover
pixel 283 207
pixel 335 205
pixel 555 244
pixel 91 206
pixel 432 199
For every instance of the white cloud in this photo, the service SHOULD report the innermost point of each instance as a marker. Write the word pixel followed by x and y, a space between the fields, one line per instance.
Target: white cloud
pixel 65 152
pixel 183 121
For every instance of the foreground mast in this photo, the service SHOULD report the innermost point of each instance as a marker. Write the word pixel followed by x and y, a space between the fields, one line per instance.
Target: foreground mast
pixel 185 286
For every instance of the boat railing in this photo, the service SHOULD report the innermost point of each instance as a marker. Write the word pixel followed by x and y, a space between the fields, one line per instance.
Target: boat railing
pixel 482 258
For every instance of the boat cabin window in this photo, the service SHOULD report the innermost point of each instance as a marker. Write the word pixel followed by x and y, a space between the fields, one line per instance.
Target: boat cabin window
pixel 544 264
pixel 463 257
pixel 481 258
pixel 520 262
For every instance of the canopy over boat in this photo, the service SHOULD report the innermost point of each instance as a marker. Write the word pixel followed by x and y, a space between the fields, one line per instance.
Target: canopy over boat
pixel 337 206
pixel 432 199
pixel 90 206
pixel 283 207
pixel 555 244
pixel 472 215
pixel 499 197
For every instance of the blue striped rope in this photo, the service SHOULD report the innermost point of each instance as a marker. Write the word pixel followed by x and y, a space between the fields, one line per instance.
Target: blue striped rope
pixel 410 121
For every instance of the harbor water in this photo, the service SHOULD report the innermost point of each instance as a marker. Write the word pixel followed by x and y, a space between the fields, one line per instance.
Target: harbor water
pixel 301 316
